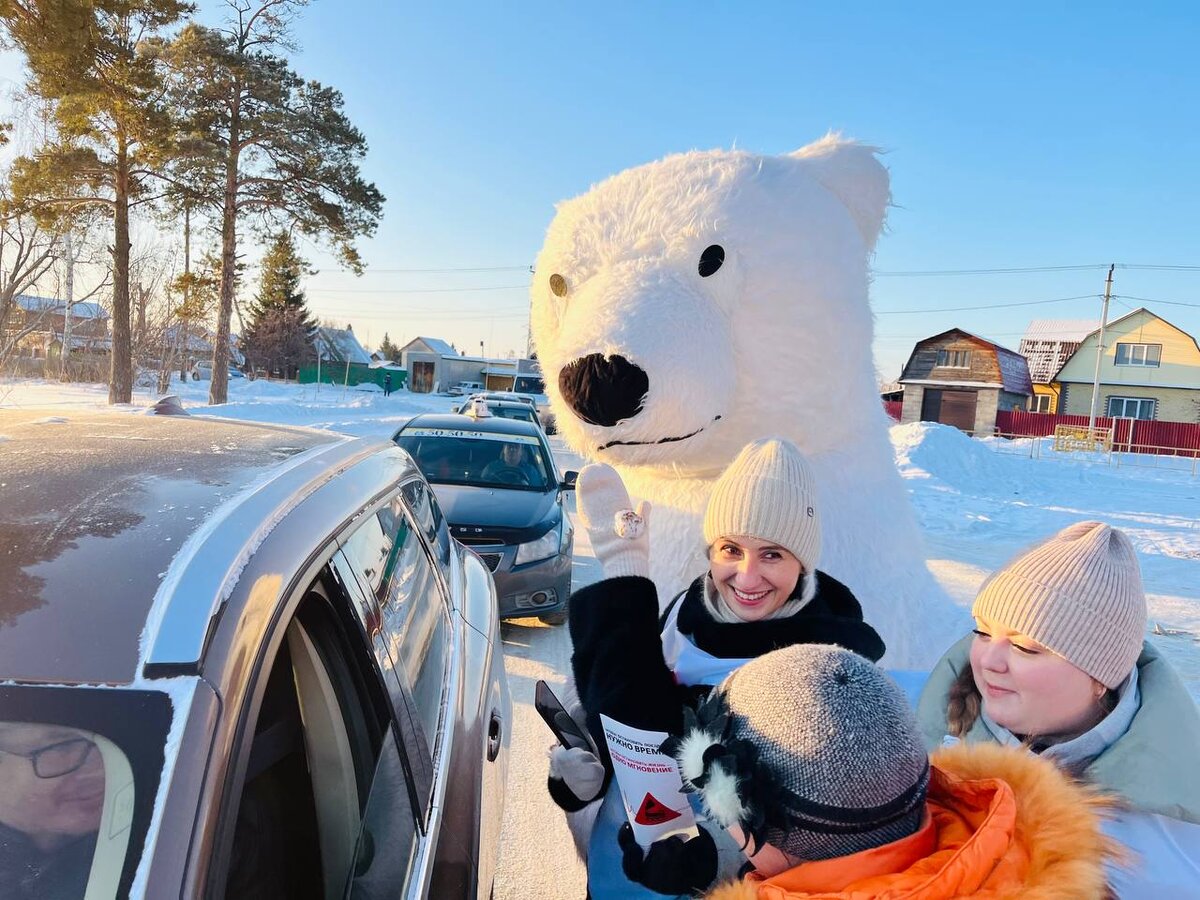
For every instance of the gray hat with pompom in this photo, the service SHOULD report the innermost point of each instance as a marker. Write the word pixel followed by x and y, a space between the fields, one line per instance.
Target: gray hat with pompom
pixel 812 749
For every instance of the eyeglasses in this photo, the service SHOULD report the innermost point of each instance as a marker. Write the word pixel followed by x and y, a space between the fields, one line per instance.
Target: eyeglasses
pixel 57 760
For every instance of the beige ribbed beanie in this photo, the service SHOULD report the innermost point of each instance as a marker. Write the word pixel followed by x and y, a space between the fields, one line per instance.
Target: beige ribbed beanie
pixel 768 492
pixel 1079 594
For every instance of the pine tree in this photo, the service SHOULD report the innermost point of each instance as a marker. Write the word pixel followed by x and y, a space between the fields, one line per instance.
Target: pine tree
pixel 95 62
pixel 279 335
pixel 266 143
pixel 389 350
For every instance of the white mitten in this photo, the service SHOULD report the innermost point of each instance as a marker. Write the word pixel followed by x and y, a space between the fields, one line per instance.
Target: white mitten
pixel 620 535
pixel 579 769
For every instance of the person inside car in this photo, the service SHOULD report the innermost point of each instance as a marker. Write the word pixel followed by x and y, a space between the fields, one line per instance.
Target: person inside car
pixel 51 800
pixel 513 466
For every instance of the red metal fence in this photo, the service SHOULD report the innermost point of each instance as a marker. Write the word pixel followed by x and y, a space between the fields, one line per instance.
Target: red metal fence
pixel 892 408
pixel 1140 435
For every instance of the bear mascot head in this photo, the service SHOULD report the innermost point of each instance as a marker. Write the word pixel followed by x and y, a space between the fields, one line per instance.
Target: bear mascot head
pixel 684 308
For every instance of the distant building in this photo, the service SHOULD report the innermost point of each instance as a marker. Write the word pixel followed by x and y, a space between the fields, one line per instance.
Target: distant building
pixel 1047 345
pixel 963 380
pixel 339 345
pixel 433 365
pixel 195 343
pixel 1149 369
pixel 37 323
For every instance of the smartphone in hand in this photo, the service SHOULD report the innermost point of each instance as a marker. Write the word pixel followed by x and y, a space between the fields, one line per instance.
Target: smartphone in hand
pixel 566 729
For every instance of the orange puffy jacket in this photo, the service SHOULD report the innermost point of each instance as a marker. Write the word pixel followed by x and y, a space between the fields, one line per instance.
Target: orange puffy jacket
pixel 1000 823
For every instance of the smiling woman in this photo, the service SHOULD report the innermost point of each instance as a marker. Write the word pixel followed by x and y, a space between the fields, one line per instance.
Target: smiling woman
pixel 1058 663
pixel 762 590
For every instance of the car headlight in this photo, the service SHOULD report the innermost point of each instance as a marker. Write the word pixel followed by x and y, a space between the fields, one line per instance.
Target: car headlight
pixel 545 547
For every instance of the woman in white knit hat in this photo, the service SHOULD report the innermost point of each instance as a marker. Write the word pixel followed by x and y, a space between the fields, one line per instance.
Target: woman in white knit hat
pixel 1058 662
pixel 762 591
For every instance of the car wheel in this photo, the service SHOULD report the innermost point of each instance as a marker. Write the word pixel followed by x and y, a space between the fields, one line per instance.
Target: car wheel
pixel 554 618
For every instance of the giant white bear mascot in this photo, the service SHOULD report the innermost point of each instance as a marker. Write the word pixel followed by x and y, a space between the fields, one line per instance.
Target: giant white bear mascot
pixel 686 307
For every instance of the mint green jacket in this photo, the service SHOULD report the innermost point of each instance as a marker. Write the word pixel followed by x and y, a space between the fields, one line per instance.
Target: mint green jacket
pixel 1154 766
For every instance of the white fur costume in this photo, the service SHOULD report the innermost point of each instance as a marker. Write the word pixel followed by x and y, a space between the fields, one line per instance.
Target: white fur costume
pixel 775 342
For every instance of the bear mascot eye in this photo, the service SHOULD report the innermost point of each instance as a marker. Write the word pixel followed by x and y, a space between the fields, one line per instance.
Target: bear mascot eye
pixel 711 259
pixel 558 284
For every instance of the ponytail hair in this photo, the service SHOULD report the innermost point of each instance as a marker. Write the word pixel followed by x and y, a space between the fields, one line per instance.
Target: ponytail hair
pixel 963 703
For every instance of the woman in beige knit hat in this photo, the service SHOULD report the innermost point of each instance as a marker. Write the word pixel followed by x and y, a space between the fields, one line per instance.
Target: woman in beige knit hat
pixel 762 591
pixel 1058 663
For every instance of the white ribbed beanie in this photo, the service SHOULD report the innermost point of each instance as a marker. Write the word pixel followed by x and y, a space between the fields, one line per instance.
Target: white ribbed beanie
pixel 1079 594
pixel 768 492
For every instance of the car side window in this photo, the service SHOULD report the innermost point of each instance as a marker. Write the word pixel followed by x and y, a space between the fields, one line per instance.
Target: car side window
pixel 321 736
pixel 415 621
pixel 387 843
pixel 429 518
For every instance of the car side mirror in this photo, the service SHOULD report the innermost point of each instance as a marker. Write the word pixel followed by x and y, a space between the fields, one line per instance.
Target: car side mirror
pixel 569 479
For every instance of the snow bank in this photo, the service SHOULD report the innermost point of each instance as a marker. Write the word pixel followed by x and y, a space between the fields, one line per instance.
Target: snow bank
pixel 942 452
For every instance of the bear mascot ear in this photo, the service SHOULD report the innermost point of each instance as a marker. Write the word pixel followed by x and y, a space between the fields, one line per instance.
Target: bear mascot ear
pixel 853 173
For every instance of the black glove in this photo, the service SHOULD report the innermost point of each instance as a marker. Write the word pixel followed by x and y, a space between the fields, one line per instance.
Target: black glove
pixel 673 865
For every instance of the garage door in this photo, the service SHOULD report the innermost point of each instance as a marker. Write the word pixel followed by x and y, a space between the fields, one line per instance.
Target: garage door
pixel 958 409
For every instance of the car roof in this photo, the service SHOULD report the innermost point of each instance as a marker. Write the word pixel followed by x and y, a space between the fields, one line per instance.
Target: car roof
pixel 485 425
pixel 502 404
pixel 98 508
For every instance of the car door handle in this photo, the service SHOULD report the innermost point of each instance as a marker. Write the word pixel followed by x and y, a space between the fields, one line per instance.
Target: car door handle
pixel 495 730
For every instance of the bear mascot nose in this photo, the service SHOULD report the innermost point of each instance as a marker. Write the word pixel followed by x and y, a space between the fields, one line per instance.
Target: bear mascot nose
pixel 603 391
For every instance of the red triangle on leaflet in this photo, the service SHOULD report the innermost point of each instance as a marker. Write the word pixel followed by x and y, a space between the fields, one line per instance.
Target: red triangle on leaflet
pixel 652 812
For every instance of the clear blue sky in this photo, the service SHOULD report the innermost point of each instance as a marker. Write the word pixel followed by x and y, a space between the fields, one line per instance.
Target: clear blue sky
pixel 1015 137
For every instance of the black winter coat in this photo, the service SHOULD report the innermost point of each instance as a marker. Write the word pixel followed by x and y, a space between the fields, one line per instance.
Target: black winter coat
pixel 618 656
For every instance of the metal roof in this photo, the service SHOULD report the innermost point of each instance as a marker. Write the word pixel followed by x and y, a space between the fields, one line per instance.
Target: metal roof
pixel 95 508
pixel 1068 330
pixel 340 345
pixel 79 309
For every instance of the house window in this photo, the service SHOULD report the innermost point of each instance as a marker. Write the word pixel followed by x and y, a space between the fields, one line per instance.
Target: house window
pixel 954 359
pixel 1039 403
pixel 1130 408
pixel 1139 354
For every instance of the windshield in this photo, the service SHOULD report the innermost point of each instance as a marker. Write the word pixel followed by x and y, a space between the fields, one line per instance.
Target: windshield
pixel 521 413
pixel 454 456
pixel 75 802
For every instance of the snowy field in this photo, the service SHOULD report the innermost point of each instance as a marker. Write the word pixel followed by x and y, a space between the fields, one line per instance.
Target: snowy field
pixel 978 502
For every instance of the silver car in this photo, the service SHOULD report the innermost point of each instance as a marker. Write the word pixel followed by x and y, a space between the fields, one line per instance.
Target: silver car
pixel 503 495
pixel 239 660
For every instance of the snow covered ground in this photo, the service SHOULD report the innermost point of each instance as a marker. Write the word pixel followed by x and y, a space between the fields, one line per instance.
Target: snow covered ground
pixel 978 502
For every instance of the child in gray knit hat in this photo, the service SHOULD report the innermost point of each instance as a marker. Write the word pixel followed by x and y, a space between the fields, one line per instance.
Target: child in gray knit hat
pixel 1058 663
pixel 812 758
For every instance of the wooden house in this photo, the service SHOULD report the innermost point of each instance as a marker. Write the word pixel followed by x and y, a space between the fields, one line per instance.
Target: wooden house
pixel 963 380
pixel 36 326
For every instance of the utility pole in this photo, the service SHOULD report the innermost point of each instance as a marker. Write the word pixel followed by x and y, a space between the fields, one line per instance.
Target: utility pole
pixel 1100 348
pixel 65 357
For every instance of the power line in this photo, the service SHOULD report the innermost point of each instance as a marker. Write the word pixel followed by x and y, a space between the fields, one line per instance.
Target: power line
pixel 525 268
pixel 940 309
pixel 1164 302
pixel 462 290
pixel 1164 268
pixel 1014 271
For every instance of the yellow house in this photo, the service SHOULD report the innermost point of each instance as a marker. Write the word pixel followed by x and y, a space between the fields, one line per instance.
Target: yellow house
pixel 1149 369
